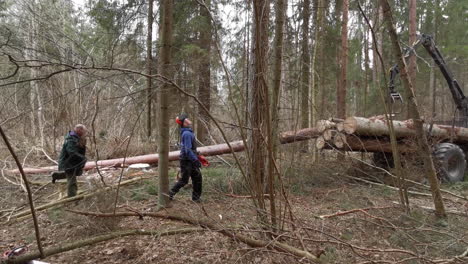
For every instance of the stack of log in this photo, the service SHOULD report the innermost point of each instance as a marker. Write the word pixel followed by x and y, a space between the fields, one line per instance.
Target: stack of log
pixel 373 134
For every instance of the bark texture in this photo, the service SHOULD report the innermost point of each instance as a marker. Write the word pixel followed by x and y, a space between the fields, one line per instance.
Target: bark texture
pixel 341 91
pixel 166 88
pixel 304 94
pixel 423 145
pixel 149 69
pixel 204 80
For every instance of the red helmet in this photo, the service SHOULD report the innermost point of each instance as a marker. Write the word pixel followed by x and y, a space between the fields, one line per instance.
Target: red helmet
pixel 180 119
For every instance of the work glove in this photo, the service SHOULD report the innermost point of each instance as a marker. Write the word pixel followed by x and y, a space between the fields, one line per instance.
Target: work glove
pixel 197 164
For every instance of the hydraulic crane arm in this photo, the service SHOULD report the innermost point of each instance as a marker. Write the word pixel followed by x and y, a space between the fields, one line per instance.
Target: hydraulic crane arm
pixel 428 42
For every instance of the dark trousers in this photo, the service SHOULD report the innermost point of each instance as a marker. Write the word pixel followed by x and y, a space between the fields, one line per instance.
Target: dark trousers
pixel 189 170
pixel 72 186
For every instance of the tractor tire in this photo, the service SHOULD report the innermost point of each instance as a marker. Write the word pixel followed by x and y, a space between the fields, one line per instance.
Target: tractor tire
pixel 450 162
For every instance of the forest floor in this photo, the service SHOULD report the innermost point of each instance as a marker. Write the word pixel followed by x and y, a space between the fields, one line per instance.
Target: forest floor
pixel 379 233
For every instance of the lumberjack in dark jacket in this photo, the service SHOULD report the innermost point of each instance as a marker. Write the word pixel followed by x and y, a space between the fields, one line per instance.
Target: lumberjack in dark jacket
pixel 72 158
pixel 189 163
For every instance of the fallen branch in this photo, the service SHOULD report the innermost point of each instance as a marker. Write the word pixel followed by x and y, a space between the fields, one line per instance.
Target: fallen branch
pixel 421 185
pixel 97 239
pixel 433 209
pixel 390 187
pixel 22 215
pixel 32 210
pixel 243 196
pixel 215 227
pixel 354 211
pixel 464 254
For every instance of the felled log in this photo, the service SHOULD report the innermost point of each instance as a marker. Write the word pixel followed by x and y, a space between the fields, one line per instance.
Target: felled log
pixel 299 135
pixel 340 126
pixel 150 158
pixel 320 143
pixel 339 140
pixel 286 137
pixel 377 127
pixel 328 134
pixel 323 125
pixel 362 144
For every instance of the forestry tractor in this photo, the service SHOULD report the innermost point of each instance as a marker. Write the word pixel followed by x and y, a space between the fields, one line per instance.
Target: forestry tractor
pixel 449 157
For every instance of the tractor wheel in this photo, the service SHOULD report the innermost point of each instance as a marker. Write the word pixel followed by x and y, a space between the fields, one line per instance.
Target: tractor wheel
pixel 450 162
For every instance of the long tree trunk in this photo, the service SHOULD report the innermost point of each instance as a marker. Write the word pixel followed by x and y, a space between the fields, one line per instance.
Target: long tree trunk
pixel 213 150
pixel 305 72
pixel 433 81
pixel 341 92
pixel 313 82
pixel 259 106
pixel 379 128
pixel 149 66
pixel 204 80
pixel 247 66
pixel 376 64
pixel 165 71
pixel 412 39
pixel 35 92
pixel 280 10
pixel 320 61
pixel 366 73
pixel 423 144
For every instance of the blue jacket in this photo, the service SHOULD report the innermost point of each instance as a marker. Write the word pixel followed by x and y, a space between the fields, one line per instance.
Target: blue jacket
pixel 188 147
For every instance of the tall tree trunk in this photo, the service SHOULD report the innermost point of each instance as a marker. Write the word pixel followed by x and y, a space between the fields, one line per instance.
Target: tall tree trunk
pixel 313 83
pixel 341 92
pixel 248 67
pixel 35 91
pixel 433 81
pixel 412 39
pixel 321 58
pixel 366 72
pixel 376 64
pixel 259 108
pixel 305 72
pixel 423 144
pixel 280 10
pixel 204 81
pixel 149 67
pixel 165 71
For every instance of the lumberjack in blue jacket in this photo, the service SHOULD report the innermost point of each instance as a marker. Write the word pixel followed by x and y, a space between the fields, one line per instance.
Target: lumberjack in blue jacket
pixel 189 163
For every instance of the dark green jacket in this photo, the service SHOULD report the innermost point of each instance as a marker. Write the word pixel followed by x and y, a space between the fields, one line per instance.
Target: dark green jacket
pixel 72 157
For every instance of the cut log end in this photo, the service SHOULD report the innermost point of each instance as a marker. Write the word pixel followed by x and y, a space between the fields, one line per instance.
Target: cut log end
pixel 339 140
pixel 328 134
pixel 340 127
pixel 323 125
pixel 320 143
pixel 350 125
